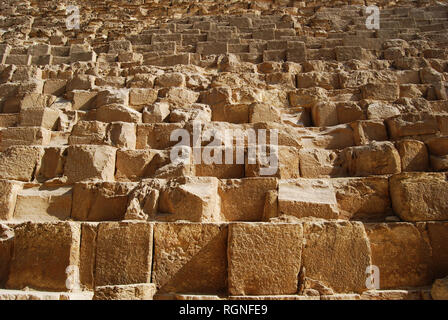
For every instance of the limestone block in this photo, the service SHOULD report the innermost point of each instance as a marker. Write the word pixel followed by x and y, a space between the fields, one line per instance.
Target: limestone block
pixel 140 291
pixel 376 158
pixel 123 253
pixel 24 136
pixel 8 197
pixel 324 114
pixel 438 146
pixel 122 135
pixel 413 154
pixel 193 199
pixel 37 117
pixel 156 135
pixel 321 163
pixel 284 164
pixel 43 204
pixel 88 132
pixel 412 124
pixel 100 201
pixel 90 162
pixel 363 198
pixel 420 196
pixel 365 131
pixel 439 290
pixel 402 253
pixel 87 254
pixel 174 79
pixel 116 113
pixel 141 97
pixel 307 198
pixel 264 258
pixel 156 112
pixel 337 254
pixel 381 91
pixel 243 199
pixel 6 248
pixel 42 252
pixel 438 236
pixel 20 162
pixel 184 250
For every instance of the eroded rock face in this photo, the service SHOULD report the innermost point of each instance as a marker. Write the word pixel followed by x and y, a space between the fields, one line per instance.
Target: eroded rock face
pixel 419 196
pixel 337 254
pixel 220 149
pixel 264 258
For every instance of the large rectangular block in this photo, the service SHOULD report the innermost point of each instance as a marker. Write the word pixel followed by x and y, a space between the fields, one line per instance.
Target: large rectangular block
pixel 337 254
pixel 123 253
pixel 264 258
pixel 42 253
pixel 307 198
pixel 402 253
pixel 363 198
pixel 8 196
pixel 90 162
pixel 420 196
pixel 190 198
pixel 190 257
pixel 6 248
pixel 100 201
pixel 243 199
pixel 25 136
pixel 376 158
pixel 20 162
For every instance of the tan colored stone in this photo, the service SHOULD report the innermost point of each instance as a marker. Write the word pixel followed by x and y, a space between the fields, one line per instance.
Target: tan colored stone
pixel 90 162
pixel 184 250
pixel 264 258
pixel 413 154
pixel 438 236
pixel 321 163
pixel 420 196
pixel 376 158
pixel 42 252
pixel 123 253
pixel 6 248
pixel 20 162
pixel 140 291
pixel 402 253
pixel 439 290
pixel 191 198
pixel 337 254
pixel 243 199
pixel 43 204
pixel 363 198
pixel 307 198
pixel 100 201
pixel 8 196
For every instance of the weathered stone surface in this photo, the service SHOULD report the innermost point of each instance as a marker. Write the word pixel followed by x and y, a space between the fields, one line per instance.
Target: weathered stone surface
pixel 376 158
pixel 20 162
pixel 402 253
pixel 90 162
pixel 123 253
pixel 363 198
pixel 6 248
pixel 192 199
pixel 337 254
pixel 439 290
pixel 42 252
pixel 243 199
pixel 307 198
pixel 184 250
pixel 413 154
pixel 8 197
pixel 264 258
pixel 141 291
pixel 419 196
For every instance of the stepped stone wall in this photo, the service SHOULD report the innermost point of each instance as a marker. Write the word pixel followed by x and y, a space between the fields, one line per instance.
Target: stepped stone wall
pixel 92 205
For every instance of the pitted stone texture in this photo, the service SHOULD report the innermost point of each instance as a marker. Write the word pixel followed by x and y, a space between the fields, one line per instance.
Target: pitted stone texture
pixel 264 258
pixel 185 250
